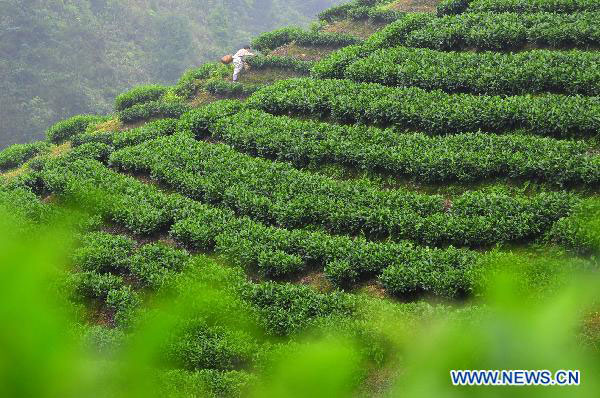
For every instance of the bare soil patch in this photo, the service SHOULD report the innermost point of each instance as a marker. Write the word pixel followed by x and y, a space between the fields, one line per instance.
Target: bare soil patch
pixel 415 5
pixel 303 53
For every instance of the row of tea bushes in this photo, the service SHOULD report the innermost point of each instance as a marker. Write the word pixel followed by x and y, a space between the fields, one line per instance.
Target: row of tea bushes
pixel 519 6
pixel 462 157
pixel 538 71
pixel 277 38
pixel 143 209
pixel 278 194
pixel 434 112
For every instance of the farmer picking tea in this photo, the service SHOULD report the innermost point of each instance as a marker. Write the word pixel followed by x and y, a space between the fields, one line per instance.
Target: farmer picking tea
pixel 238 61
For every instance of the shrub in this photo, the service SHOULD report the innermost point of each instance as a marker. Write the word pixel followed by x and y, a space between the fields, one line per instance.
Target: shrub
pixel 288 308
pixel 280 37
pixel 199 121
pixel 190 81
pixel 149 131
pixel 336 13
pixel 276 38
pixel 102 252
pixel 196 345
pixel 281 195
pixel 360 10
pixel 142 209
pixel 104 137
pixel 230 89
pixel 153 264
pixel 206 383
pixel 342 273
pixel 334 65
pixel 461 157
pixel 139 95
pixel 280 62
pixel 482 31
pixel 581 230
pixel 66 129
pixel 154 109
pixel 18 200
pixel 102 339
pixel 507 31
pixel 124 301
pixel 531 6
pixel 16 155
pixel 91 285
pixel 278 263
pixel 452 7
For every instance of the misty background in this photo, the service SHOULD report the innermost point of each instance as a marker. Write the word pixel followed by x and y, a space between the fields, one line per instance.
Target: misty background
pixel 62 58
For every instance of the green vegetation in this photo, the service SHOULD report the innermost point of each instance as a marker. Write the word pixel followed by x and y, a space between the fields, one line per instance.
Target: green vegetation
pixel 59 59
pixel 538 71
pixel 280 37
pixel 433 111
pixel 462 157
pixel 526 6
pixel 361 10
pixel 17 154
pixel 273 193
pixel 409 208
pixel 66 129
pixel 139 95
pixel 152 110
pixel 281 62
pixel 580 230
pixel 453 7
pixel 480 31
pixel 508 31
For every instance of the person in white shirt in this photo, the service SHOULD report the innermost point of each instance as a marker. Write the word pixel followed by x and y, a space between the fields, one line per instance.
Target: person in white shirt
pixel 238 61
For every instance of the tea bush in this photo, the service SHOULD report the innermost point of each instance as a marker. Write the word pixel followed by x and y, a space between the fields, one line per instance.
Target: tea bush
pixel 153 109
pixel 66 129
pixel 17 154
pixel 139 95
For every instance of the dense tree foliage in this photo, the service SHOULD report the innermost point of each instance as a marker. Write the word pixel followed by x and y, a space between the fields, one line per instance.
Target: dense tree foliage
pixel 59 58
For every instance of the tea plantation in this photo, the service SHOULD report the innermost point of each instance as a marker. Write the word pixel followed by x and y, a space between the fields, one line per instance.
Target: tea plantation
pixel 342 172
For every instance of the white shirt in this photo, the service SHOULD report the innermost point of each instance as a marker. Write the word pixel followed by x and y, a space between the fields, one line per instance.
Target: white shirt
pixel 242 53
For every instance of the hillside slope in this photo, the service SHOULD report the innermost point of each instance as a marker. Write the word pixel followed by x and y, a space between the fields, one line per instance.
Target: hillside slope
pixel 362 176
pixel 62 58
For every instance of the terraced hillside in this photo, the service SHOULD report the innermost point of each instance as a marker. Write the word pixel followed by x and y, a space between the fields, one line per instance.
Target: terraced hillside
pixel 388 157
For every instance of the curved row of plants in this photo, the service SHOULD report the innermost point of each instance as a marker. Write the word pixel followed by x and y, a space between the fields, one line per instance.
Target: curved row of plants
pixel 17 154
pixel 102 261
pixel 278 194
pixel 111 275
pixel 434 112
pixel 277 38
pixel 519 6
pixel 537 71
pixel 480 31
pixel 276 252
pixel 508 31
pixel 152 110
pixel 360 10
pixel 123 138
pixel 463 157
